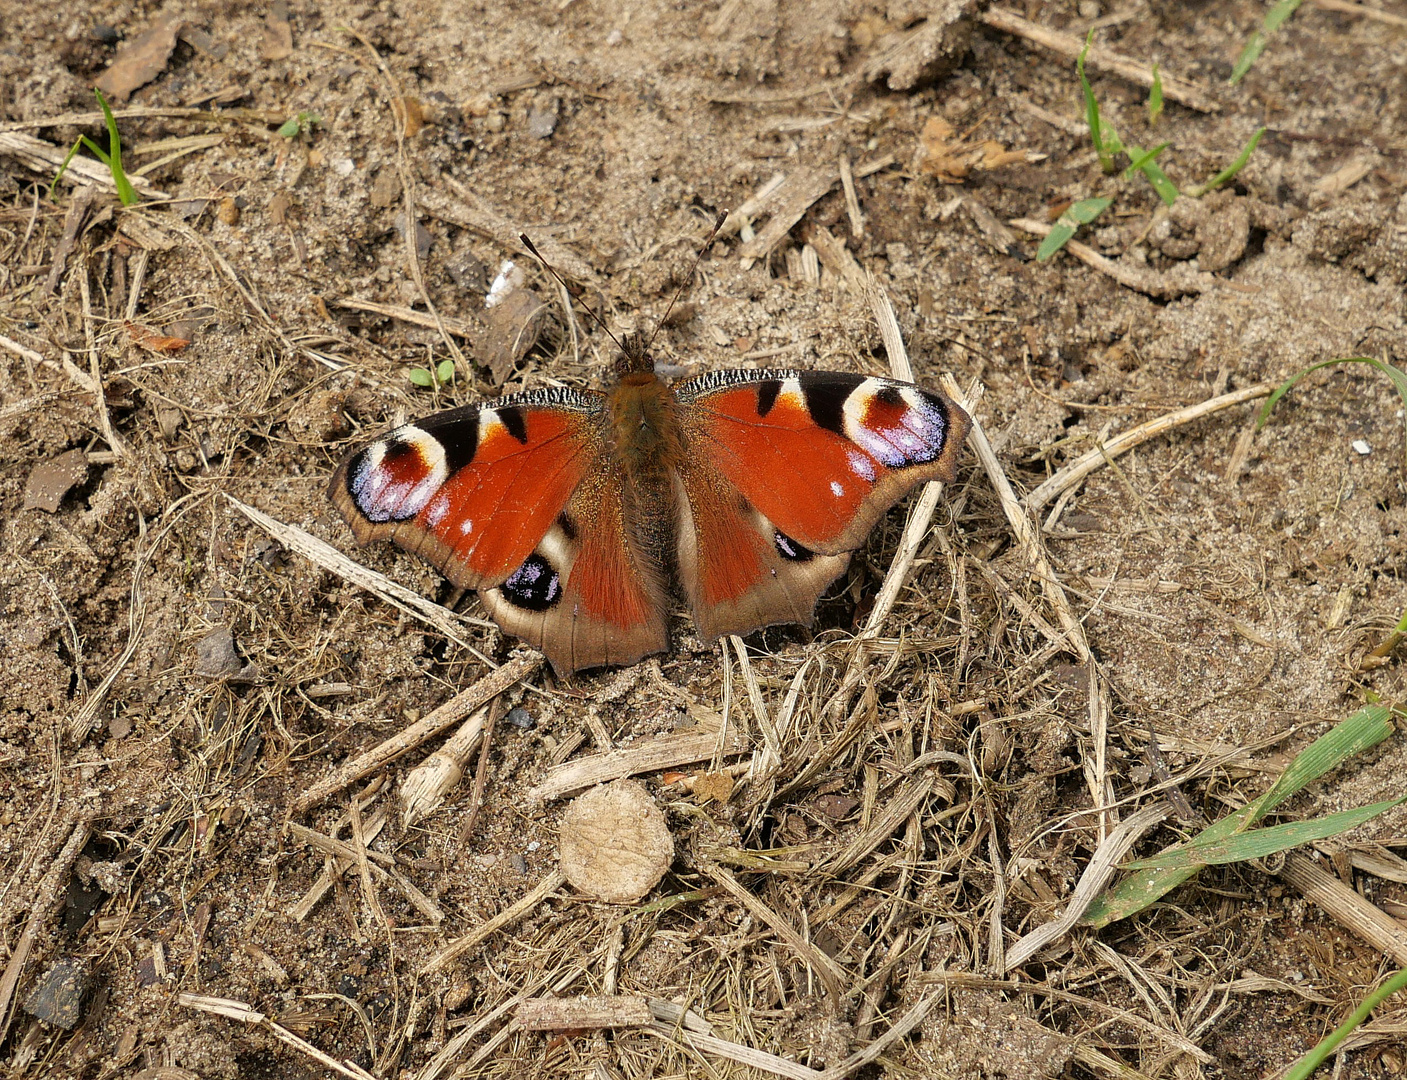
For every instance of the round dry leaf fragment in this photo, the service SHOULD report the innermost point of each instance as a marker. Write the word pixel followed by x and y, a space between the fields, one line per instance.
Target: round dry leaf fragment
pixel 615 844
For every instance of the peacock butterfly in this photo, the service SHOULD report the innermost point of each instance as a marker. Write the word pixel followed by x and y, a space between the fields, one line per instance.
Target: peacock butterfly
pixel 578 514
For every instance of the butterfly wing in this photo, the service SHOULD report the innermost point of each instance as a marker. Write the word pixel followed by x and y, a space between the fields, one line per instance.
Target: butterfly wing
pixel 519 499
pixel 787 473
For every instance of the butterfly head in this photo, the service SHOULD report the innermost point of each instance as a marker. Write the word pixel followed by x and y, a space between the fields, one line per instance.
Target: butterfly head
pixel 633 358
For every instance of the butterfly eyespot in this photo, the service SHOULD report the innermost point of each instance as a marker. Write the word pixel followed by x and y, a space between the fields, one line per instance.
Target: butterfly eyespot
pixel 534 586
pixel 790 550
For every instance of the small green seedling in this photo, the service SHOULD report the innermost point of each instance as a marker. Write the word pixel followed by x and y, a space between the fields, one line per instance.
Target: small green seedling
pixel 126 194
pixel 1256 45
pixel 441 376
pixel 1155 97
pixel 1080 213
pixel 296 125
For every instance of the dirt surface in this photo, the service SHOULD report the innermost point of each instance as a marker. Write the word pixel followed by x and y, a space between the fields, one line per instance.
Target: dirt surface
pixel 177 678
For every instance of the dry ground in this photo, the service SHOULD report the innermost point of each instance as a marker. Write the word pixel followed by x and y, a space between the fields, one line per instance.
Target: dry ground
pixel 175 678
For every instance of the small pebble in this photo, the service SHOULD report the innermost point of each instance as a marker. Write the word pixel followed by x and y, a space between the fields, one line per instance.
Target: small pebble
pixel 1362 447
pixel 521 718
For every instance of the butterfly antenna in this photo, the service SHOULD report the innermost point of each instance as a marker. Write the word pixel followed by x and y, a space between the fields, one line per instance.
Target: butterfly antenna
pixel 532 249
pixel 722 217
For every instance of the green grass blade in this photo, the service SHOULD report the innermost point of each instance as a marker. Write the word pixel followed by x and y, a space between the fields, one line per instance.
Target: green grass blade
pixel 1232 169
pixel 1305 1066
pixel 1143 160
pixel 1256 45
pixel 1365 728
pixel 1096 126
pixel 1080 213
pixel 1155 97
pixel 126 194
pixel 1258 843
pixel 1395 375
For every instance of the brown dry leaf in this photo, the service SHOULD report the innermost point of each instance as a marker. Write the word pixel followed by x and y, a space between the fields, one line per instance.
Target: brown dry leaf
pixel 51 480
pixel 950 157
pixel 140 61
pixel 514 325
pixel 614 843
pixel 277 41
pixel 153 340
pixel 716 786
pixel 941 154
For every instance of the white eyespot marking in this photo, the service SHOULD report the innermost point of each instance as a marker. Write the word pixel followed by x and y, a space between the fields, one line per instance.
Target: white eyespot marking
pixel 837 490
pixel 397 476
pixel 861 465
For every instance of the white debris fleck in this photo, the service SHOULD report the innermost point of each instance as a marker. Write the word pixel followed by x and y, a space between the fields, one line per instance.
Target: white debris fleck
pixel 533 845
pixel 1362 447
pixel 510 277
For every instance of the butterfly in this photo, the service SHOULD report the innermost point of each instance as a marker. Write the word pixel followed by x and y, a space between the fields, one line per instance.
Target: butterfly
pixel 579 515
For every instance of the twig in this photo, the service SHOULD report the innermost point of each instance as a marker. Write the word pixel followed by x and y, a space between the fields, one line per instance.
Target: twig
pixel 1347 8
pixel 1080 468
pixel 664 752
pixel 790 200
pixel 44 896
pixel 329 558
pixel 1168 285
pixel 410 218
pixel 589 1013
pixel 509 915
pixel 448 714
pixel 369 862
pixel 238 1010
pixel 1026 535
pixel 1100 59
pixel 115 443
pixel 481 772
pixel 426 785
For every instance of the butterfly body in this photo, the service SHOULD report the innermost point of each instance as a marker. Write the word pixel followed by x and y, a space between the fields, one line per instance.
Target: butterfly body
pixel 580 515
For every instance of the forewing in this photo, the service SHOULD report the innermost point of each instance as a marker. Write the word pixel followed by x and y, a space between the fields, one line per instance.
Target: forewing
pixel 785 474
pixel 519 499
pixel 822 455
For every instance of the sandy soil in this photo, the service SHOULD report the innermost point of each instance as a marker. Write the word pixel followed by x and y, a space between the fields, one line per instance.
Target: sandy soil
pixel 177 678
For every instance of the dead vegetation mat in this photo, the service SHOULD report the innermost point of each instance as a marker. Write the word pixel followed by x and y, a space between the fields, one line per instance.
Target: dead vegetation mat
pixel 207 864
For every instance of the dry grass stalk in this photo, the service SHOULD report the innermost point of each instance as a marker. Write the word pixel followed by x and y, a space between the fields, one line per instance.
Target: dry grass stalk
pixel 788 202
pixel 1027 537
pixel 404 314
pixel 665 752
pixel 329 558
pixel 335 867
pixel 41 904
pixel 564 1014
pixel 447 715
pixel 1078 469
pixel 238 1010
pixel 426 785
pixel 911 794
pixel 832 975
pixel 1096 875
pixel 1100 59
pixel 507 917
pixel 370 863
pixel 1346 906
pixel 1347 7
